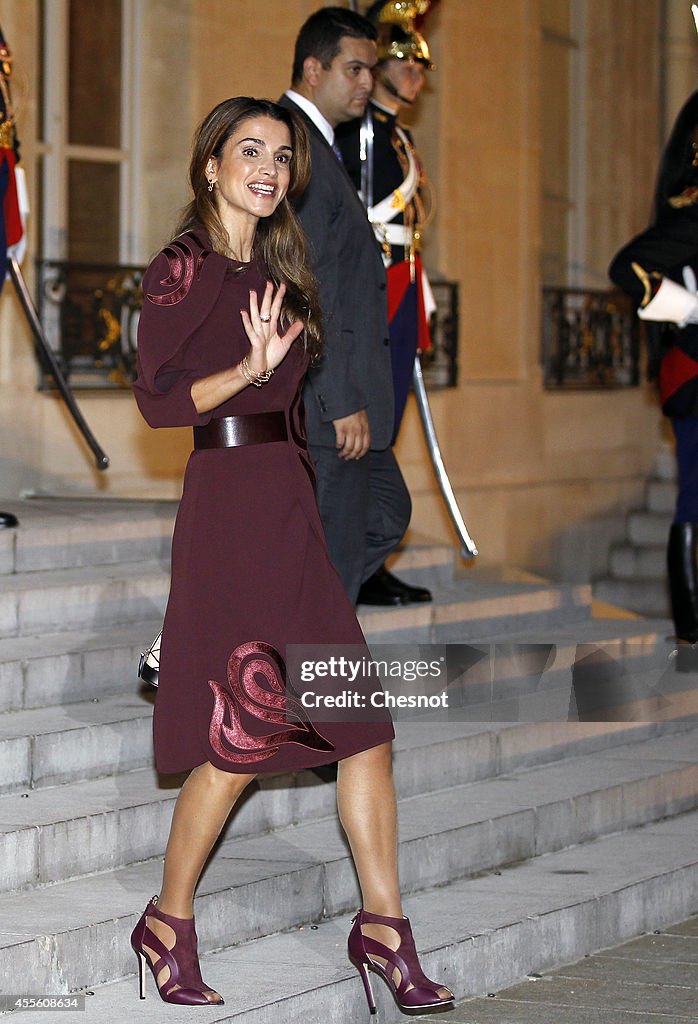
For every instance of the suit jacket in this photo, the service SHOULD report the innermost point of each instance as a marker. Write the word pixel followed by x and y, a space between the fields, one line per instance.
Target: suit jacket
pixel 354 372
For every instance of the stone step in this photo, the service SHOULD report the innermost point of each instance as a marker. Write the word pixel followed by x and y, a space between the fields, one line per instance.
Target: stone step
pixel 110 733
pixel 634 629
pixel 70 533
pixel 473 608
pixel 299 874
pixel 602 671
pixel 54 745
pixel 79 599
pixel 80 566
pixel 41 829
pixel 646 597
pixel 661 496
pixel 665 463
pixel 478 935
pixel 421 561
pixel 638 563
pixel 119 609
pixel 67 667
pixel 648 528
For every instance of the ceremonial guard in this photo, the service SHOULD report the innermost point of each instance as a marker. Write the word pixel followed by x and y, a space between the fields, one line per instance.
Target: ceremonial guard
pixel 659 270
pixel 380 157
pixel 11 229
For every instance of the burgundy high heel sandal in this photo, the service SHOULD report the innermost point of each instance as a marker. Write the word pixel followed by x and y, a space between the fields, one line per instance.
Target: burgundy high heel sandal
pixel 413 992
pixel 182 960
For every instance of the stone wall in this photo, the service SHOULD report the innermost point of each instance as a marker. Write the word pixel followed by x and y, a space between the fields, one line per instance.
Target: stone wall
pixel 544 479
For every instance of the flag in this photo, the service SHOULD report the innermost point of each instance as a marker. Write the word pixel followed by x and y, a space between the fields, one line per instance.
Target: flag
pixel 13 191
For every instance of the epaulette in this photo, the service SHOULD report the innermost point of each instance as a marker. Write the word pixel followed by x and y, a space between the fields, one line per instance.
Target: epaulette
pixel 689 197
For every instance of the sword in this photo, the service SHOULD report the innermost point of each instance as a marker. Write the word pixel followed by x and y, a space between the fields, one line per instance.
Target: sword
pixel 47 358
pixel 467 545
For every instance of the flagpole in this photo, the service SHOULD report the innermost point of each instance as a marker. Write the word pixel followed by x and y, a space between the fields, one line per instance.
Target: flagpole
pixel 48 356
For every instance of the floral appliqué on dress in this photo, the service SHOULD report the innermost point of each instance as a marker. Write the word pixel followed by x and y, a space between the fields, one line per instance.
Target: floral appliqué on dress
pixel 257 686
pixel 183 268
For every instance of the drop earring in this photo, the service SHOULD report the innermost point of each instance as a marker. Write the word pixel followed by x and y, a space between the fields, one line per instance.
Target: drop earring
pixel 211 183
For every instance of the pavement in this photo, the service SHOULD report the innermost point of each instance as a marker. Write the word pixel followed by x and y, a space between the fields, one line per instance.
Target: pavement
pixel 650 980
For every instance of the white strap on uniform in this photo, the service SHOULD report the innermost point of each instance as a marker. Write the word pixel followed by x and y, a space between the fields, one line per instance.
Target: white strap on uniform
pixel 389 207
pixel 395 234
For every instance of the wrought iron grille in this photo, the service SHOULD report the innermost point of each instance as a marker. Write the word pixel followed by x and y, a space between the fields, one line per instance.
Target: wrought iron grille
pixel 591 339
pixel 440 365
pixel 90 315
pixel 89 312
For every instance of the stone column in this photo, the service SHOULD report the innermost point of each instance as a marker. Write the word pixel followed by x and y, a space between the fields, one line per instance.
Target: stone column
pixel 680 61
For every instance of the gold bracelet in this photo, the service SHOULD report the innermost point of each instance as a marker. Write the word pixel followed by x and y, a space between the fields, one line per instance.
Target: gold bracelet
pixel 254 378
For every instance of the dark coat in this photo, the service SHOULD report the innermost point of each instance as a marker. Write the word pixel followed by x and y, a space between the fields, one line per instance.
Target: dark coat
pixel 665 248
pixel 355 371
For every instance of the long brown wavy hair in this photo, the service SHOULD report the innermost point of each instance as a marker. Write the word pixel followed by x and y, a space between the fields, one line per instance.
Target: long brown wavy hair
pixel 279 239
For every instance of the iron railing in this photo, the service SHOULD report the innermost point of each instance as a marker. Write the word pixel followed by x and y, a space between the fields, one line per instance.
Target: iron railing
pixel 89 312
pixel 440 365
pixel 590 340
pixel 90 315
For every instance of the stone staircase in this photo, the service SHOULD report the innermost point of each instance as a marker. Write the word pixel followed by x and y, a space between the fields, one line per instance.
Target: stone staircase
pixel 637 567
pixel 525 841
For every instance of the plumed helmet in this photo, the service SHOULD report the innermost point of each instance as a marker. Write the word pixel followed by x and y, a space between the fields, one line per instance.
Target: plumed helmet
pixel 397 34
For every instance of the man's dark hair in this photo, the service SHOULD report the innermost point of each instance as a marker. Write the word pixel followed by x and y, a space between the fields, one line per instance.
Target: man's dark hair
pixel 321 36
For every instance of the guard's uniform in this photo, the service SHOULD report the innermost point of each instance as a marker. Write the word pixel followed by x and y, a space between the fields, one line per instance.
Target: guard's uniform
pixel 392 187
pixel 659 269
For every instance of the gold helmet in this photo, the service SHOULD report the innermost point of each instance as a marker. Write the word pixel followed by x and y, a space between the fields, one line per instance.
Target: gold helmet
pixel 397 35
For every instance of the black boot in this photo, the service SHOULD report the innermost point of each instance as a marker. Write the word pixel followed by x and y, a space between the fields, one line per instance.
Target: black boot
pixel 683 580
pixel 385 589
pixel 7 521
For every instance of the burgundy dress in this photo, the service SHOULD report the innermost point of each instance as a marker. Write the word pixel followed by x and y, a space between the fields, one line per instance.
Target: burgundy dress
pixel 250 568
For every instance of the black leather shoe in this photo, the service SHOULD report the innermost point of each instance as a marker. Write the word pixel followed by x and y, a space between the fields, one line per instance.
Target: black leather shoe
pixel 385 589
pixel 8 521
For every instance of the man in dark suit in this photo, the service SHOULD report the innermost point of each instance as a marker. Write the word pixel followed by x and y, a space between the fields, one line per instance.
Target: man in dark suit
pixel 364 503
pixel 381 160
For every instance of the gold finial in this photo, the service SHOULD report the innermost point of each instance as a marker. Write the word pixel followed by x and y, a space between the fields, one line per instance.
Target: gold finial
pixel 403 12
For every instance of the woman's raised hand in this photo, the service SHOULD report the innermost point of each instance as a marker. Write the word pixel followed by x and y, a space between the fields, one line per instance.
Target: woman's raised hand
pixel 268 348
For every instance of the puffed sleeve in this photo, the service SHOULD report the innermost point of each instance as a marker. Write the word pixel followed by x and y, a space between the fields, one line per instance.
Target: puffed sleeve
pixel 180 288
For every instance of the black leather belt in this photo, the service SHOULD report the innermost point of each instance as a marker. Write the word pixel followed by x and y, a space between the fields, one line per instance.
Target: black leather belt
pixel 251 428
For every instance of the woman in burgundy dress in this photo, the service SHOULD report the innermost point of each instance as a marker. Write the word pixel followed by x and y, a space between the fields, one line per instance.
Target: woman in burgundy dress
pixel 229 324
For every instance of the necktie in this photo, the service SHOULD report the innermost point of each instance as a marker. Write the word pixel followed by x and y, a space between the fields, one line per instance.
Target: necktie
pixel 337 152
